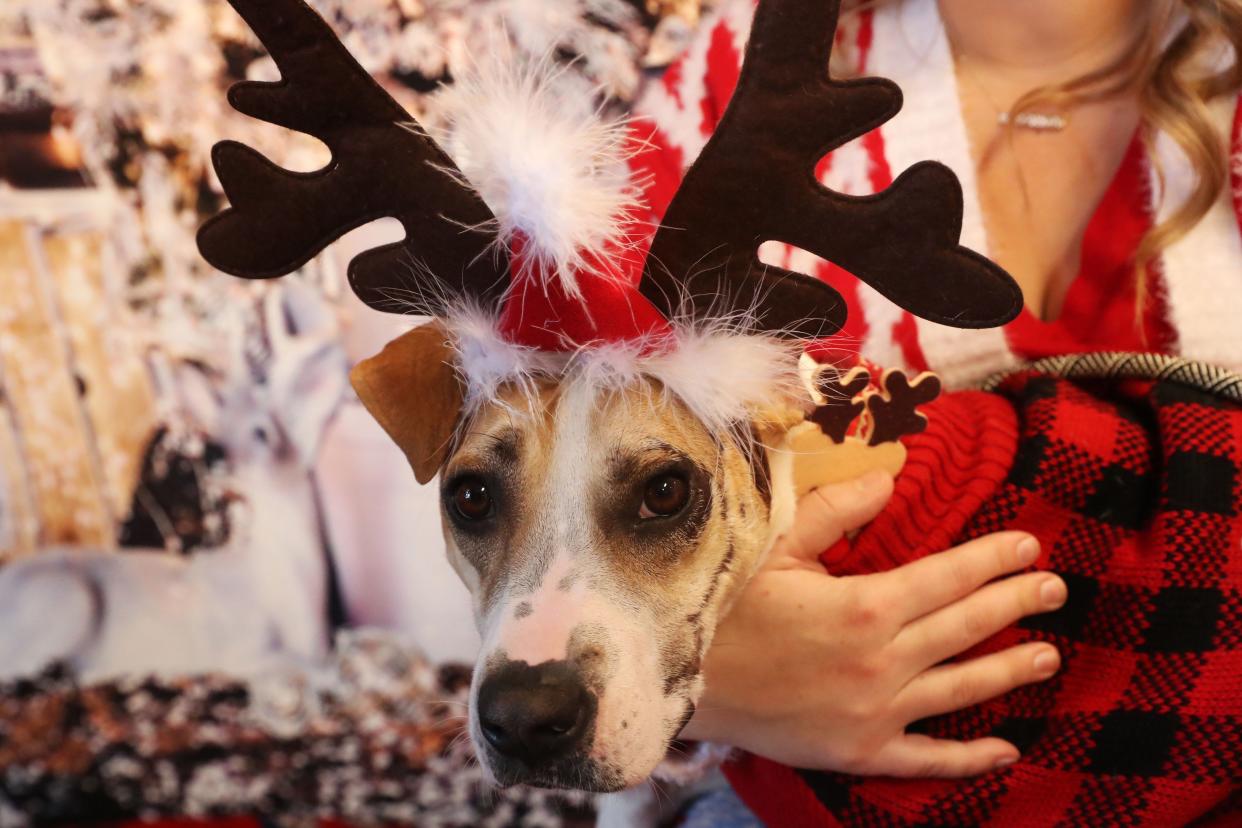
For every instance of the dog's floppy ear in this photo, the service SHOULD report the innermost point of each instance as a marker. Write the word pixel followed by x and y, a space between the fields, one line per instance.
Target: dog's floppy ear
pixel 411 387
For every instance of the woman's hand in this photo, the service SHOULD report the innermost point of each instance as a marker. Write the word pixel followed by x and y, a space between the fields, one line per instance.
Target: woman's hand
pixel 822 672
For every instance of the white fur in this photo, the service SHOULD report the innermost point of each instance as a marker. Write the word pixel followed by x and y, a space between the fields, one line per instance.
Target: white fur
pixel 543 635
pixel 527 137
pixel 722 374
pixel 486 361
pixel 784 493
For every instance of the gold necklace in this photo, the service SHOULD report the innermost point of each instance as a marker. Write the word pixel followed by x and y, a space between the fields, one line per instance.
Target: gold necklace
pixel 1033 121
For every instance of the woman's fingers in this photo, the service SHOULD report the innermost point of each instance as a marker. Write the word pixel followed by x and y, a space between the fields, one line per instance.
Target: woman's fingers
pixel 958 686
pixel 916 755
pixel 933 582
pixel 826 514
pixel 980 615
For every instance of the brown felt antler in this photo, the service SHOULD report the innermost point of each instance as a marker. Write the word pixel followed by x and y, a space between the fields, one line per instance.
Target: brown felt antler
pixel 754 182
pixel 383 165
pixel 895 413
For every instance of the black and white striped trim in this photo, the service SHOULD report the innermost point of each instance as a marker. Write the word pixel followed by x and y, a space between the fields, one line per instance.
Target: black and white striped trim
pixel 1120 365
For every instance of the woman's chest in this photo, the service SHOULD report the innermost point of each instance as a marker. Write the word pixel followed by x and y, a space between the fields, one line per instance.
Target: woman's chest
pixel 1038 190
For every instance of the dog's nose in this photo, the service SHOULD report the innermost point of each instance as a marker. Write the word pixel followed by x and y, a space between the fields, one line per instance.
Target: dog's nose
pixel 535 714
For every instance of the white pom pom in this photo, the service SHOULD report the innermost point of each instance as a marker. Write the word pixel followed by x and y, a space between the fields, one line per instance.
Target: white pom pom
pixel 529 139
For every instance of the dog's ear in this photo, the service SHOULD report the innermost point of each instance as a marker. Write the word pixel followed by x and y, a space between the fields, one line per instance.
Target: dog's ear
pixel 411 387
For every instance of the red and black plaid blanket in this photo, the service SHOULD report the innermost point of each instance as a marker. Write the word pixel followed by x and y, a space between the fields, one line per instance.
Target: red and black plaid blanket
pixel 1135 490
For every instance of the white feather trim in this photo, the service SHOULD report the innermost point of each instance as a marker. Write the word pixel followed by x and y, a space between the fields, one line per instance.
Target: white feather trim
pixel 486 361
pixel 528 138
pixel 722 375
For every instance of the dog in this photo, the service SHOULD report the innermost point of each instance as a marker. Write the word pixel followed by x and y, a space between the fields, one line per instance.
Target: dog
pixel 597 420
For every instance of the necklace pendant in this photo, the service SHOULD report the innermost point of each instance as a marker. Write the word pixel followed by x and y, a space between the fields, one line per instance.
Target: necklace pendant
pixel 1035 121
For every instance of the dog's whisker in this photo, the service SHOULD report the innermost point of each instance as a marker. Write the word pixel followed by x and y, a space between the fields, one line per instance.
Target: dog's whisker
pixel 456 742
pixel 661 793
pixel 455 702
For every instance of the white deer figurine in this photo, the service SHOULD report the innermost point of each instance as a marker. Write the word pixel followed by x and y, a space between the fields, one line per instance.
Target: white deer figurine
pixel 234 609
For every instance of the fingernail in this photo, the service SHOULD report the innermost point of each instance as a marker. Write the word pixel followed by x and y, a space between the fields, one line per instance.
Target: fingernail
pixel 1028 551
pixel 1046 662
pixel 1052 593
pixel 1005 762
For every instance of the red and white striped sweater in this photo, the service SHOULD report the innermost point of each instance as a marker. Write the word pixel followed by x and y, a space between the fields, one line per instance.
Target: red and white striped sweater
pixel 1197 297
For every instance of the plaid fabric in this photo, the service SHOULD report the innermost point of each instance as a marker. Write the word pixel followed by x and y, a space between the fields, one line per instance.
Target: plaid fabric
pixel 1134 490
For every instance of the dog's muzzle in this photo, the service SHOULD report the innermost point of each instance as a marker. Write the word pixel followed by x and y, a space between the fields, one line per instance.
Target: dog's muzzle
pixel 533 717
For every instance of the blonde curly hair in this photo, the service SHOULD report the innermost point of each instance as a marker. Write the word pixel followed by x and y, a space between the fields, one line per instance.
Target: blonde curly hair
pixel 1177 78
pixel 1175 96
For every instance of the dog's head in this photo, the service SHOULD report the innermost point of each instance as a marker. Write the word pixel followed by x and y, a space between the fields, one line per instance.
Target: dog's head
pixel 601 533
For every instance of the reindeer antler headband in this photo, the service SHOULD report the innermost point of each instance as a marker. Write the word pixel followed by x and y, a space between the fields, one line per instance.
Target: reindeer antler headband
pixel 752 183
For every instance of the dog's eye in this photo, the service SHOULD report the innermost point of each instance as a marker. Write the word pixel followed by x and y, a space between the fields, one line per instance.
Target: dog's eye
pixel 665 496
pixel 471 499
